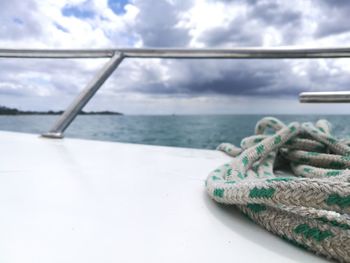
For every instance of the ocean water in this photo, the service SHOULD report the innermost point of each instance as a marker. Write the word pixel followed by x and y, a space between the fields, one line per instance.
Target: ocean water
pixel 193 131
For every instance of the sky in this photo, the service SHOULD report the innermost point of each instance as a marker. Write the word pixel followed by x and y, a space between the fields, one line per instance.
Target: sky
pixel 154 86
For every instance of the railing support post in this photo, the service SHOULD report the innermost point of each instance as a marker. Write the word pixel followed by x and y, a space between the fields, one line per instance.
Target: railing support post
pixel 83 98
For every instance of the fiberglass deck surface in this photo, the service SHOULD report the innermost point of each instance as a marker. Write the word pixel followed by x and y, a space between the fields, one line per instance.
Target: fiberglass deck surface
pixel 89 201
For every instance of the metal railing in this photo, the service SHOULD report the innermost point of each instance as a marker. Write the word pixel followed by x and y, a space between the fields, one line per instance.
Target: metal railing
pixel 117 55
pixel 325 97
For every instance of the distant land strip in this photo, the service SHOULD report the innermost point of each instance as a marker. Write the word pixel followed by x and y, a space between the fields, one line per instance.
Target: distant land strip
pixel 12 111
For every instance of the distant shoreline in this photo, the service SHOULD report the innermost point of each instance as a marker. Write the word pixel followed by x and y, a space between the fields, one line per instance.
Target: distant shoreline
pixel 14 111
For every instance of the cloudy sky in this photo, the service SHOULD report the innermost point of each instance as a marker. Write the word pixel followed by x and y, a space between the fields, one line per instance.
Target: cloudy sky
pixel 151 86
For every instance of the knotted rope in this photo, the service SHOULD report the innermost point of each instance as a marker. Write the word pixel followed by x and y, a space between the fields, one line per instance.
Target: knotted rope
pixel 310 204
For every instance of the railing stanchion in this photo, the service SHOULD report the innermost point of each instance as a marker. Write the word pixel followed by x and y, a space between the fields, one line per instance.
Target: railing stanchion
pixel 86 94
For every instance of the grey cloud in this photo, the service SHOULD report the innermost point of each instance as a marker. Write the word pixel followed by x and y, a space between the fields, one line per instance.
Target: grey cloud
pixel 254 78
pixel 238 77
pixel 322 78
pixel 334 3
pixel 334 17
pixel 18 20
pixel 59 76
pixel 273 13
pixel 15 90
pixel 331 27
pixel 250 2
pixel 245 29
pixel 239 32
pixel 333 20
pixel 156 23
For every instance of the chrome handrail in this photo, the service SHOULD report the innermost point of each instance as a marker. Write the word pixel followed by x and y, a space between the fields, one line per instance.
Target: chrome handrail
pixel 325 97
pixel 117 56
pixel 256 53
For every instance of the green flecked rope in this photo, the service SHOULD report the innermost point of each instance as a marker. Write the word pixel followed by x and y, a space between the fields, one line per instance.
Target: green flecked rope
pixel 309 203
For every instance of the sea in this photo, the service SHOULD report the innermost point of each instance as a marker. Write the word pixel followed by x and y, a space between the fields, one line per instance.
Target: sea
pixel 190 131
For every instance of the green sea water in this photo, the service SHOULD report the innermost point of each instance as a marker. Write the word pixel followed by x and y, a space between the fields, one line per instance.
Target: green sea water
pixel 193 131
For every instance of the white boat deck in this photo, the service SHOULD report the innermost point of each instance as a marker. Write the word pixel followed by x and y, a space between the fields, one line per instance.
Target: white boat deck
pixel 89 201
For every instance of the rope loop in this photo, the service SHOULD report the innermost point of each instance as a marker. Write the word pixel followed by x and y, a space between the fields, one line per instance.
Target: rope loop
pixel 309 203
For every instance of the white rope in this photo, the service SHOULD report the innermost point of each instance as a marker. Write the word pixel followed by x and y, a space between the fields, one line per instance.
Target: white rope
pixel 310 206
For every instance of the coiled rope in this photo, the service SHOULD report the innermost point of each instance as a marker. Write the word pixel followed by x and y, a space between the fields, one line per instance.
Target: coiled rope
pixel 310 205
